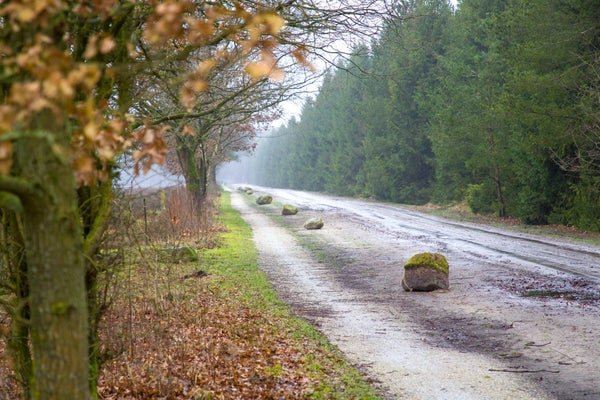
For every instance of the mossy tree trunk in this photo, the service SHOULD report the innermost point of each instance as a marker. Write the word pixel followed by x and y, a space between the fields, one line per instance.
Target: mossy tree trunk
pixel 18 341
pixel 212 176
pixel 496 175
pixel 95 209
pixel 194 169
pixel 56 268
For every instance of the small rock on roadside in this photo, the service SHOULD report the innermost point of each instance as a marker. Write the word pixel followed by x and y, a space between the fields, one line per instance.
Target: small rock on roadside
pixel 289 210
pixel 314 223
pixel 265 199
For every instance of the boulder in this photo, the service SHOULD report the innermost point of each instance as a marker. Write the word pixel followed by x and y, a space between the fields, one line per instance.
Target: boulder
pixel 265 199
pixel 289 210
pixel 426 272
pixel 314 223
pixel 179 254
pixel 249 191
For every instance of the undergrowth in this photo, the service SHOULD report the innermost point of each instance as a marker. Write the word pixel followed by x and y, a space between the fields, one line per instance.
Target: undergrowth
pixel 215 329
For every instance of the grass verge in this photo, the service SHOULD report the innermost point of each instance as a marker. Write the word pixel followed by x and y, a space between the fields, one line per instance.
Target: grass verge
pixel 212 327
pixel 235 263
pixel 202 324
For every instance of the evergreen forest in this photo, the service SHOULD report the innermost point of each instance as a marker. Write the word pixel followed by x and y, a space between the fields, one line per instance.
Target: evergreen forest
pixel 492 102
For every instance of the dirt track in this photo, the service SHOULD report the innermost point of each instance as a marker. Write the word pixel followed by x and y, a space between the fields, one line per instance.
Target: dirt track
pixel 518 303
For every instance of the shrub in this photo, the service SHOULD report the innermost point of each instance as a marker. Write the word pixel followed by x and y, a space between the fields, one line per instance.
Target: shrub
pixel 480 198
pixel 585 211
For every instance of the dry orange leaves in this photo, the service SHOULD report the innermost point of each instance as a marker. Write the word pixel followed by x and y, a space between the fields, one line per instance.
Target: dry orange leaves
pixel 57 57
pixel 201 345
pixel 152 147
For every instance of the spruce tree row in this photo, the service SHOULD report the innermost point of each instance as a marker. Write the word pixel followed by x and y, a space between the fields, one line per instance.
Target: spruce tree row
pixel 496 103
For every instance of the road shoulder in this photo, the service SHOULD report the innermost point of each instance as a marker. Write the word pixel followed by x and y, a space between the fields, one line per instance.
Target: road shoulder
pixel 235 264
pixel 372 333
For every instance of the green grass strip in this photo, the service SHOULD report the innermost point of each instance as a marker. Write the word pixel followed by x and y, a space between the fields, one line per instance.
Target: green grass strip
pixel 236 261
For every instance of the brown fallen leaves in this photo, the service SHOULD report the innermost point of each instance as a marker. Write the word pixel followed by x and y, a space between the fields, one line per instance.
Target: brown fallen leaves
pixel 200 344
pixel 9 387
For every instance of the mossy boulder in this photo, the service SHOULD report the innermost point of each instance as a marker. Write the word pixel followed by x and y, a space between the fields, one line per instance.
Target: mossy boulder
pixel 314 223
pixel 425 272
pixel 179 254
pixel 431 260
pixel 263 200
pixel 289 210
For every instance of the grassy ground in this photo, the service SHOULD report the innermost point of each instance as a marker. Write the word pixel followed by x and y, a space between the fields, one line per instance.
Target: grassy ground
pixel 205 324
pixel 214 328
pixel 236 263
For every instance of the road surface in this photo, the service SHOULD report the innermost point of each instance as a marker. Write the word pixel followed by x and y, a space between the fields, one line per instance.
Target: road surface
pixel 520 321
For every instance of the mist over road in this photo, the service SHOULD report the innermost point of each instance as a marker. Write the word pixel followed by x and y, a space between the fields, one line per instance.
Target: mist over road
pixel 520 320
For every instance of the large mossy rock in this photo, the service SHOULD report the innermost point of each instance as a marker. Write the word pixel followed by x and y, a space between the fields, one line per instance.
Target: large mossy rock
pixel 289 210
pixel 426 272
pixel 179 254
pixel 265 199
pixel 314 223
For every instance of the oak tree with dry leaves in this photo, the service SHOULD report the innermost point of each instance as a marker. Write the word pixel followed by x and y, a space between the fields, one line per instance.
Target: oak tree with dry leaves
pixel 69 72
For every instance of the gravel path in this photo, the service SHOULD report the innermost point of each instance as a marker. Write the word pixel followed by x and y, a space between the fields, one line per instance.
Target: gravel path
pixel 518 304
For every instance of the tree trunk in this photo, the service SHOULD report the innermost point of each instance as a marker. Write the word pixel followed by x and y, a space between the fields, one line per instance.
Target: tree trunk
pixel 496 174
pixel 499 193
pixel 95 210
pixel 212 176
pixel 194 172
pixel 93 338
pixel 56 270
pixel 18 341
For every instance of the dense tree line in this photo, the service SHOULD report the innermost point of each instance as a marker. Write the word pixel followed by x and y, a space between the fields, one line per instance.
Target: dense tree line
pixel 495 102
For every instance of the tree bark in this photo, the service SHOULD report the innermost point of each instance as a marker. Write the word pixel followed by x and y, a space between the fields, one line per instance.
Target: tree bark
pixel 194 172
pixel 18 341
pixel 496 174
pixel 56 270
pixel 95 209
pixel 212 176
